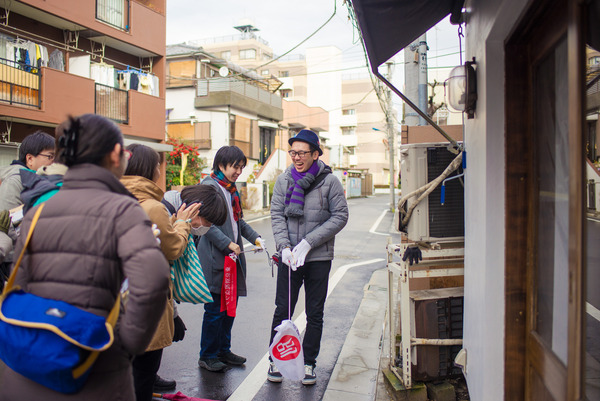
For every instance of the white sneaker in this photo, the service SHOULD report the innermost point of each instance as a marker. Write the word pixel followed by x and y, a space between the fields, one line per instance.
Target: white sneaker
pixel 310 377
pixel 274 375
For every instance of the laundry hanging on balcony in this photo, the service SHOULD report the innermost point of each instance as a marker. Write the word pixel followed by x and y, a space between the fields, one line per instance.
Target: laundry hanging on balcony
pixel 29 56
pixel 138 80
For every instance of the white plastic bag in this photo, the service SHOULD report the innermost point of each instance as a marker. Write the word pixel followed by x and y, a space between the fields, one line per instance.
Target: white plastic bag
pixel 286 351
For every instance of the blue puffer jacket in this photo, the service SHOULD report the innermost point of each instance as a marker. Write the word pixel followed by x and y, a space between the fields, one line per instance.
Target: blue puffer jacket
pixel 325 214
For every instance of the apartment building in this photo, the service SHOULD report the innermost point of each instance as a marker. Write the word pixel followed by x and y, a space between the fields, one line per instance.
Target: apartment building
pixel 69 57
pixel 316 79
pixel 212 102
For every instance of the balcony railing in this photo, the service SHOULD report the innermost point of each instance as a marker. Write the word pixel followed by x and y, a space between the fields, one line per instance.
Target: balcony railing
pixel 205 87
pixel 20 83
pixel 113 12
pixel 112 103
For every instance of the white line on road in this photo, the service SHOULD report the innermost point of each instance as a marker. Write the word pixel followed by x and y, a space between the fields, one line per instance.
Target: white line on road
pixel 376 224
pixel 252 384
pixel 593 312
pixel 259 219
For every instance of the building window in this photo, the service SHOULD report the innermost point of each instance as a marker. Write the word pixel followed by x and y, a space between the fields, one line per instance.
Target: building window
pixel 349 112
pixel 286 92
pixel 226 55
pixel 348 131
pixel 284 74
pixel 351 150
pixel 265 72
pixel 248 54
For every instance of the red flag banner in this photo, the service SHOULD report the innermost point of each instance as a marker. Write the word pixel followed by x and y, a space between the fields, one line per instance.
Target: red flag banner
pixel 229 286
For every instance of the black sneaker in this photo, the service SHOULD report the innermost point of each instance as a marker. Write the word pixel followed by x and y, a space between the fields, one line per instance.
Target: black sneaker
pixel 161 385
pixel 232 359
pixel 213 365
pixel 310 377
pixel 274 375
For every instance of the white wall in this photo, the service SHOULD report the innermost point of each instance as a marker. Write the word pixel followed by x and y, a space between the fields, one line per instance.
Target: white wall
pixel 324 89
pixel 181 100
pixel 489 24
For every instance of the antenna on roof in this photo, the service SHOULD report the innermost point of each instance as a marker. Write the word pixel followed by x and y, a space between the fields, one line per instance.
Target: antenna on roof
pixel 246 26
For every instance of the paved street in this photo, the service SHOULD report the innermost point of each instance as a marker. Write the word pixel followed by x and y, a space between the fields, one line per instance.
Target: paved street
pixel 360 250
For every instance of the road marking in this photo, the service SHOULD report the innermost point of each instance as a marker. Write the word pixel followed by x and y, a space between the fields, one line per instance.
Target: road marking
pixel 593 312
pixel 252 384
pixel 259 219
pixel 376 224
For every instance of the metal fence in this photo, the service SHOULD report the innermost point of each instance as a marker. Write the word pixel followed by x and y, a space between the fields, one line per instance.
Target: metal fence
pixel 113 12
pixel 112 103
pixel 20 83
pixel 205 87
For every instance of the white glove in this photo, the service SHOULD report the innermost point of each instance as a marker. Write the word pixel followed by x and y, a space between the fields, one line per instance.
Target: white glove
pixel 288 258
pixel 300 251
pixel 260 243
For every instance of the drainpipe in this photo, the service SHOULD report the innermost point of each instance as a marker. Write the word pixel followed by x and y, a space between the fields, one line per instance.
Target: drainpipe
pixel 229 125
pixel 422 51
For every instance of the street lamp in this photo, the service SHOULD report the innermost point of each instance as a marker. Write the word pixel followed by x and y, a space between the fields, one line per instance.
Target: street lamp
pixel 392 180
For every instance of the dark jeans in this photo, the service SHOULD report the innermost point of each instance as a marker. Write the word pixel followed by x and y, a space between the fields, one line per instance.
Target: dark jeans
pixel 315 277
pixel 216 330
pixel 145 367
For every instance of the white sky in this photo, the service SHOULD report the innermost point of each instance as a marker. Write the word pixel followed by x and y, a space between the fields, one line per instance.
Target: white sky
pixel 286 23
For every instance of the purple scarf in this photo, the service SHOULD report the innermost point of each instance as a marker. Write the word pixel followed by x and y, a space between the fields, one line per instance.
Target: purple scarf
pixel 294 198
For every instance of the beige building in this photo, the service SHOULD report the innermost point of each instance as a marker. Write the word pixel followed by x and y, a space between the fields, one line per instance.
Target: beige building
pixel 315 80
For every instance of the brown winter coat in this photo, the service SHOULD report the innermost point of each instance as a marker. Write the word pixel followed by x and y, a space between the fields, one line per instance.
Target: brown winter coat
pixel 90 236
pixel 173 239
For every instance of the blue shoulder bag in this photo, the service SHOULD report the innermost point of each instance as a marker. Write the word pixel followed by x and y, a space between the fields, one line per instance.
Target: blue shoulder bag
pixel 48 341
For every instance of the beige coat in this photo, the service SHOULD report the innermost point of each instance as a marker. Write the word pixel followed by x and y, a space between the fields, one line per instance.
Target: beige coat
pixel 90 236
pixel 173 240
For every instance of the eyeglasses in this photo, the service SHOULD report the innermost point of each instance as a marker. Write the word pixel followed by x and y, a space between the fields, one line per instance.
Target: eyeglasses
pixel 50 157
pixel 302 154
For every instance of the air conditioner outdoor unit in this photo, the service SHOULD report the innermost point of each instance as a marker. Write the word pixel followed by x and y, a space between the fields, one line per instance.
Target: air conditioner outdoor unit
pixel 431 221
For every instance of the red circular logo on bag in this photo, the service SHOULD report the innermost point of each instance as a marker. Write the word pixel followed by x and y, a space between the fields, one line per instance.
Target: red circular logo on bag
pixel 287 348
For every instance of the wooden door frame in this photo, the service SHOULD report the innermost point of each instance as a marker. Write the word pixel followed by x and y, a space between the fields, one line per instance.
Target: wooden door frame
pixel 519 224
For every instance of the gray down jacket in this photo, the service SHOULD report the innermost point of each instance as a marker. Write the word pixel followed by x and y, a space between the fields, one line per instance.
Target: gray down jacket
pixel 325 214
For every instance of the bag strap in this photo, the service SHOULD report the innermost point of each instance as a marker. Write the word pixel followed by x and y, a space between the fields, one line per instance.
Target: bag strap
pixel 13 275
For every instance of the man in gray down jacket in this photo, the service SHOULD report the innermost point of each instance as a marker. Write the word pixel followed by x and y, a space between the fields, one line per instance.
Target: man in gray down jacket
pixel 308 209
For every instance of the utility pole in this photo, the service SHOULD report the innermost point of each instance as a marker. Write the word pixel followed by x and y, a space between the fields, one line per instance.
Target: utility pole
pixel 391 134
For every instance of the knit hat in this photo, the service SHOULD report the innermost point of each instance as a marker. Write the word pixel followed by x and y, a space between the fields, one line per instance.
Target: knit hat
pixel 309 137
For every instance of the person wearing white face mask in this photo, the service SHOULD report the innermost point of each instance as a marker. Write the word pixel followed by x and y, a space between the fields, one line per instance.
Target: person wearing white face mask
pixel 141 179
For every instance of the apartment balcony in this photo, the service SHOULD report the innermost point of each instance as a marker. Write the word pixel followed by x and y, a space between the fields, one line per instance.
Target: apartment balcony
pixel 348 140
pixel 20 84
pixel 48 96
pixel 238 94
pixel 112 103
pixel 348 120
pixel 131 26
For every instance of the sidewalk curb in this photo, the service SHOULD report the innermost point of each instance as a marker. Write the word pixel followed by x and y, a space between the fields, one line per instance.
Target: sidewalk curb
pixel 354 377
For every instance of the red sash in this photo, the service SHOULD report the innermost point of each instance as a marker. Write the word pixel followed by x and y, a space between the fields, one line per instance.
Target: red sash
pixel 229 287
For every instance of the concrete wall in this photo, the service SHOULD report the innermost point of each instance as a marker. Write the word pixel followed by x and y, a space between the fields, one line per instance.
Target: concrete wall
pixel 489 24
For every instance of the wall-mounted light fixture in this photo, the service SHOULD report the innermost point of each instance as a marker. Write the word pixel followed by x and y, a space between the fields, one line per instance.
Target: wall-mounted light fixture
pixel 462 88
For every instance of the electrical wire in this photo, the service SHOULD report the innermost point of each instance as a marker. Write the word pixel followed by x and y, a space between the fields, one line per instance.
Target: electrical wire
pixel 302 42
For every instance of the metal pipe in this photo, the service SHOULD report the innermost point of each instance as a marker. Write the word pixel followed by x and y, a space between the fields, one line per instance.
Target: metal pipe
pixel 415 108
pixel 435 341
